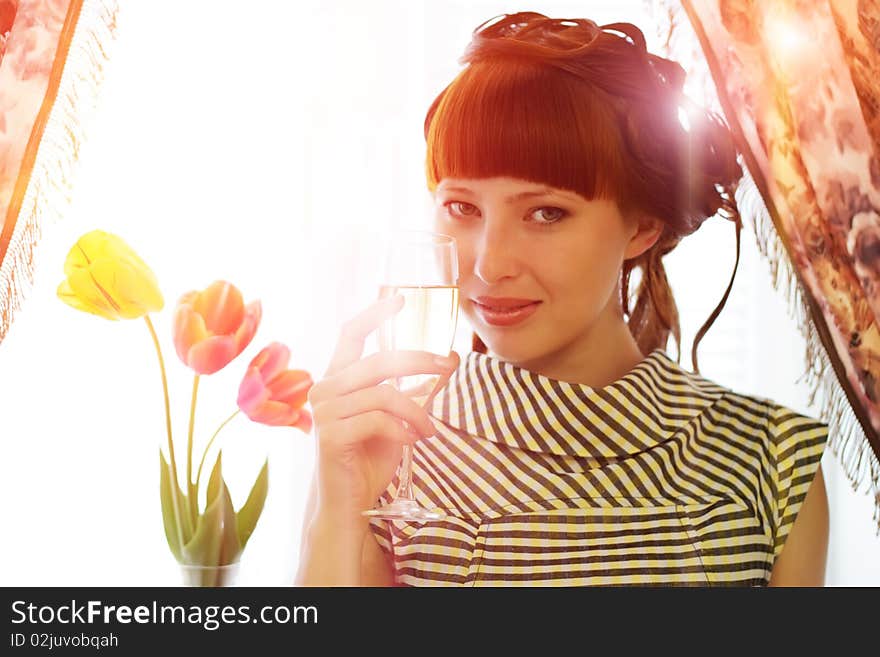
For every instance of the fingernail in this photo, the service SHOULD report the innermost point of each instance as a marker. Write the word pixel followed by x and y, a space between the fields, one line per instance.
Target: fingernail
pixel 445 362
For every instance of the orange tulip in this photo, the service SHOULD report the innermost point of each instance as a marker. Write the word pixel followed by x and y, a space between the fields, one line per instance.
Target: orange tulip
pixel 272 394
pixel 214 326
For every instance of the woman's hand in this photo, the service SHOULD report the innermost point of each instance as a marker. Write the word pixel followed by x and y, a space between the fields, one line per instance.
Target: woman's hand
pixel 362 424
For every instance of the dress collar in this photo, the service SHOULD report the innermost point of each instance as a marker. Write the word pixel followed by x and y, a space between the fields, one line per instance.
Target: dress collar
pixel 503 403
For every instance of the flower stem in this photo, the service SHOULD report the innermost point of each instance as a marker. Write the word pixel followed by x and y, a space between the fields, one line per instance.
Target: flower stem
pixel 208 446
pixel 193 498
pixel 164 390
pixel 172 459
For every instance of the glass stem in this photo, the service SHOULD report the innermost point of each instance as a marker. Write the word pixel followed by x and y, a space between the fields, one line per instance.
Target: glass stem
pixel 404 487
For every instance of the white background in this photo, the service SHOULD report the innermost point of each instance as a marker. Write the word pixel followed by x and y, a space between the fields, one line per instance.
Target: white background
pixel 259 143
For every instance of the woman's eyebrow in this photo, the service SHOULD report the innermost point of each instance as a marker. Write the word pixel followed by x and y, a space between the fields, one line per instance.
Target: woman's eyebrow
pixel 534 194
pixel 455 189
pixel 515 197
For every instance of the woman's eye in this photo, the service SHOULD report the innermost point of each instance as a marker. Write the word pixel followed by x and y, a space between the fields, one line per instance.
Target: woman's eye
pixel 544 216
pixel 549 215
pixel 460 208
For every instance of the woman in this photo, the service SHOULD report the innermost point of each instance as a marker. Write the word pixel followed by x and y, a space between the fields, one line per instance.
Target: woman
pixel 568 448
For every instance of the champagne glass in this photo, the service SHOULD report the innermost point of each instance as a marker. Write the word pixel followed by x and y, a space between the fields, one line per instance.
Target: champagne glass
pixel 423 267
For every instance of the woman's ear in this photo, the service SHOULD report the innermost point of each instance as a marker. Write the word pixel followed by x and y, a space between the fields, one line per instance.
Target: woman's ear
pixel 646 231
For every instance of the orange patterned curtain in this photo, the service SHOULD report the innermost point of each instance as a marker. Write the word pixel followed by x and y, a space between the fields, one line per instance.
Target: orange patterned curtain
pixel 51 57
pixel 799 83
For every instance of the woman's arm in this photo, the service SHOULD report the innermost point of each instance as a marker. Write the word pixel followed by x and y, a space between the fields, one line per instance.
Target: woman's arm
pixel 803 557
pixel 332 555
pixel 376 566
pixel 361 425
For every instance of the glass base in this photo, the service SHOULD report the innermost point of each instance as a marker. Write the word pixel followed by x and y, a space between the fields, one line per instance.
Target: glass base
pixel 405 510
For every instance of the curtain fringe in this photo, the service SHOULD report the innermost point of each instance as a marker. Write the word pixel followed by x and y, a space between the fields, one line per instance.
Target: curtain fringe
pixel 846 437
pixel 48 192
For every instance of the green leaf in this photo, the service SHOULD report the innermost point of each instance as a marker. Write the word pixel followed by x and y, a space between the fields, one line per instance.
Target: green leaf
pixel 215 542
pixel 182 516
pixel 250 512
pixel 192 504
pixel 171 515
pixel 214 481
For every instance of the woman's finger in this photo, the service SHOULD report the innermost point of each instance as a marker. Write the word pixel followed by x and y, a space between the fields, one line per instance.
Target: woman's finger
pixel 384 365
pixel 355 331
pixel 373 424
pixel 443 380
pixel 380 398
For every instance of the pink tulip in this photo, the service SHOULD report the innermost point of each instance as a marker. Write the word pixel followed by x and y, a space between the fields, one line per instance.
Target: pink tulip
pixel 272 394
pixel 214 326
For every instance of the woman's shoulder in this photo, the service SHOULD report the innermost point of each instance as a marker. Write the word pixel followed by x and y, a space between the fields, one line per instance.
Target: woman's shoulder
pixel 783 426
pixel 662 393
pixel 777 413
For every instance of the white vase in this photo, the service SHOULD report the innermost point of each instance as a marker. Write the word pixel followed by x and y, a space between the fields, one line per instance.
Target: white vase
pixel 226 575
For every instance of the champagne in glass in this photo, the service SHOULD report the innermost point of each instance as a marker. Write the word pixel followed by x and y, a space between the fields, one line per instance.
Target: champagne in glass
pixel 426 323
pixel 423 267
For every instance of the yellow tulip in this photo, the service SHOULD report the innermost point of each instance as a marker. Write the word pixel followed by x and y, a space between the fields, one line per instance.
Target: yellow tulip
pixel 107 278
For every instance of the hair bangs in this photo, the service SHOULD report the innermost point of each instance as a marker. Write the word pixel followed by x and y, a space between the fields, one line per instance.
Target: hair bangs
pixel 522 120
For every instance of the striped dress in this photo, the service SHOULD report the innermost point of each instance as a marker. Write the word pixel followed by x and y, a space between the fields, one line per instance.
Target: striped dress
pixel 660 478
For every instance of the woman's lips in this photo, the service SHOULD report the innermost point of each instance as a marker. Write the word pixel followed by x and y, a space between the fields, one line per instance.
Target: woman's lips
pixel 498 317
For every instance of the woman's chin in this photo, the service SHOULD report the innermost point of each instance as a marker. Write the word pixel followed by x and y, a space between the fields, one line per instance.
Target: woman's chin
pixel 509 350
pixel 508 343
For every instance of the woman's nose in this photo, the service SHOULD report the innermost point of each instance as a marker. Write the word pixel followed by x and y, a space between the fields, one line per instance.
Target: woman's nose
pixel 496 256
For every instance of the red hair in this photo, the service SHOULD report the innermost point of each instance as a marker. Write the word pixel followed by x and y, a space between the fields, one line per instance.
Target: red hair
pixel 568 103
